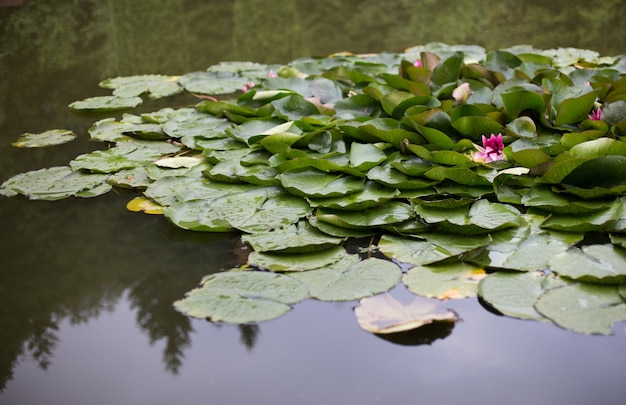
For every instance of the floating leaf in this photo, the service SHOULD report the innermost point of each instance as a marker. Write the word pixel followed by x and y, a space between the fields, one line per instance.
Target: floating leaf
pixel 106 103
pixel 257 210
pixel 533 252
pixel 389 213
pixel 372 195
pixel 145 205
pixel 46 138
pixel 157 86
pixel 350 279
pixel 300 237
pixel 481 217
pixel 296 262
pixel 242 297
pixel 444 281
pixel 436 248
pixel 583 308
pixel 55 183
pixel 135 178
pixel 515 294
pixel 383 314
pixel 317 184
pixel 177 162
pixel 212 83
pixel 593 263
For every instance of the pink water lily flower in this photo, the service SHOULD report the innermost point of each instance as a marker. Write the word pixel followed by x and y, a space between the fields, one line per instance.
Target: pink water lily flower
pixel 272 74
pixel 491 151
pixel 247 87
pixel 418 63
pixel 596 115
pixel 462 93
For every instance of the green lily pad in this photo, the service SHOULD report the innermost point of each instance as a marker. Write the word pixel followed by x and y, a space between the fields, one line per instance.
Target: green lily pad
pixel 136 178
pixel 317 184
pixel 123 156
pixel 192 215
pixel 434 249
pixel 481 217
pixel 350 279
pixel 297 262
pixel 242 297
pixel 157 86
pixel 46 138
pixel 592 263
pixel 106 103
pixel 297 238
pixel 213 83
pixel 583 308
pixel 257 210
pixel 341 231
pixel 55 183
pixel 515 294
pixel 444 281
pixel 372 195
pixel 392 212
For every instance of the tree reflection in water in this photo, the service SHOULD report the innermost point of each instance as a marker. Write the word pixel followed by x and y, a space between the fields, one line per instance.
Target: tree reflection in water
pixel 74 259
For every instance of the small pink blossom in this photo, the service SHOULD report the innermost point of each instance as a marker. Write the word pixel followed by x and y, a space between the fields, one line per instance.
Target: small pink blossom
pixel 462 93
pixel 272 74
pixel 418 63
pixel 596 115
pixel 491 151
pixel 247 87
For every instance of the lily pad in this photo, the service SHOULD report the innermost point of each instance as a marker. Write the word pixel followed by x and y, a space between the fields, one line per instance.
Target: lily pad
pixel 157 86
pixel 106 103
pixel 435 248
pixel 392 212
pixel 297 238
pixel 593 263
pixel 257 210
pixel 55 183
pixel 317 184
pixel 296 262
pixel 583 308
pixel 350 279
pixel 444 281
pixel 46 138
pixel 383 314
pixel 515 294
pixel 145 205
pixel 242 297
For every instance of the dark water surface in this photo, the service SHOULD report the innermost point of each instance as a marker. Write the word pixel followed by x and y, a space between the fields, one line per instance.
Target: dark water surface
pixel 86 287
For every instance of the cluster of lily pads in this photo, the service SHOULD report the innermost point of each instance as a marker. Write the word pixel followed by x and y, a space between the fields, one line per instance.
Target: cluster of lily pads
pixel 455 171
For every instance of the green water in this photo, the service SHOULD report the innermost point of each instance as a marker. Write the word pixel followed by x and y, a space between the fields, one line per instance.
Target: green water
pixel 86 287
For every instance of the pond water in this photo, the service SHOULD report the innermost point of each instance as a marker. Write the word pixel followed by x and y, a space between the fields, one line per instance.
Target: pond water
pixel 86 287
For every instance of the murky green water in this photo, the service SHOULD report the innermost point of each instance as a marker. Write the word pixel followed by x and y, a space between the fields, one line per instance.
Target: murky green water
pixel 86 287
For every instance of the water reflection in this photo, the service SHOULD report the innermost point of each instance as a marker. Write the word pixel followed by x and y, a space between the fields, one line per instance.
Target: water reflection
pixel 76 261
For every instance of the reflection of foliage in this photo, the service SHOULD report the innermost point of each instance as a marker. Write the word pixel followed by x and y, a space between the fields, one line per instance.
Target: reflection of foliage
pixel 249 335
pixel 65 38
